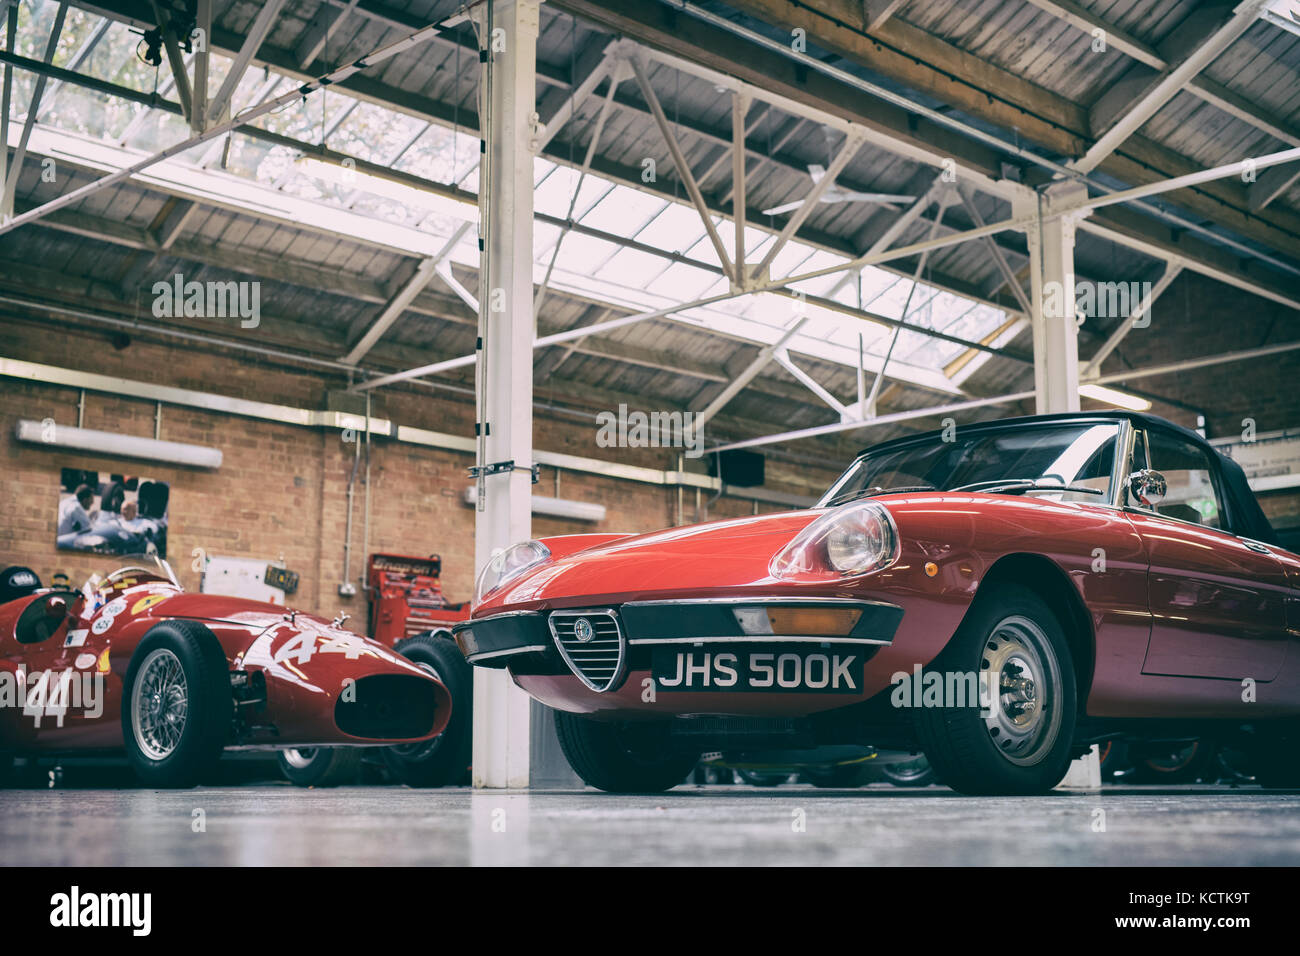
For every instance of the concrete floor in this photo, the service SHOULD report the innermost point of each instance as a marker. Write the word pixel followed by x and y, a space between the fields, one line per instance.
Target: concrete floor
pixel 877 825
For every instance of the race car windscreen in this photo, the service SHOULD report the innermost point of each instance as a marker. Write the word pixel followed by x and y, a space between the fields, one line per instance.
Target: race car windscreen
pixel 1078 455
pixel 127 571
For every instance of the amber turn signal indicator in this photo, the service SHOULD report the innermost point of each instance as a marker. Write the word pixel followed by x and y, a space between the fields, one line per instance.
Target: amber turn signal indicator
pixel 813 621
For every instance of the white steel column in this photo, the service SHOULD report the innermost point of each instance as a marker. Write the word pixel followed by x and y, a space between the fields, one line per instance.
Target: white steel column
pixel 1051 273
pixel 1056 344
pixel 507 29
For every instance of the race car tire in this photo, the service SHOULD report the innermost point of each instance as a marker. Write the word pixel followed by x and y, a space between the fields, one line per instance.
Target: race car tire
pixel 845 777
pixel 622 758
pixel 444 760
pixel 1024 745
pixel 909 773
pixel 1191 763
pixel 177 707
pixel 1113 758
pixel 761 778
pixel 320 766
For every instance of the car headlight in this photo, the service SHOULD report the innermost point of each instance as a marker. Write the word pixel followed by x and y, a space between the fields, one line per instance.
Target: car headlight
pixel 507 565
pixel 844 542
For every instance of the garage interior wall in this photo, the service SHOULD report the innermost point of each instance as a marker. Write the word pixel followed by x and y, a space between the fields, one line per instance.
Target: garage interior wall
pixel 282 489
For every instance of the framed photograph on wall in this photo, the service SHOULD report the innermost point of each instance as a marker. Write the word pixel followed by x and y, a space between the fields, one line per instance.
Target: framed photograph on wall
pixel 112 514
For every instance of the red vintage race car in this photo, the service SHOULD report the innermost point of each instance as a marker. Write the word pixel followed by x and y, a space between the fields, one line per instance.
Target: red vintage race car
pixel 997 596
pixel 410 614
pixel 132 663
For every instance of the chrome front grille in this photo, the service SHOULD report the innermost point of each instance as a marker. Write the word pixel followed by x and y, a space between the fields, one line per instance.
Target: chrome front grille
pixel 592 644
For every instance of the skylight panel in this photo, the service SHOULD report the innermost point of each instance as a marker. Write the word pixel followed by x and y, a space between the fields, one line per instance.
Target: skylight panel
pixel 630 267
pixel 373 133
pixel 688 282
pixel 676 229
pixel 623 211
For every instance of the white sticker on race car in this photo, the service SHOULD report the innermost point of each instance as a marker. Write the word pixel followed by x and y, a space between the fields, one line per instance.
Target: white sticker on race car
pixel 76 638
pixel 115 607
pixel 83 661
pixel 102 623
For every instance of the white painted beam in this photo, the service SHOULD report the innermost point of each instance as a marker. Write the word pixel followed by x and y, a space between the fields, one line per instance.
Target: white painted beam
pixel 1115 119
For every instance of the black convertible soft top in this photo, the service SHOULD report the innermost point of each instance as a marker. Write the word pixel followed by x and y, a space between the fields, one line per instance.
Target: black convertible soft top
pixel 1244 512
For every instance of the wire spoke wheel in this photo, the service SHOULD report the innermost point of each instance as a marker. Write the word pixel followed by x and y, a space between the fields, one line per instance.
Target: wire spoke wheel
pixel 160 704
pixel 1024 719
pixel 300 758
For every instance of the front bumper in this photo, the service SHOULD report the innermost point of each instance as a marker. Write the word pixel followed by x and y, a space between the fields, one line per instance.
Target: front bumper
pixel 526 641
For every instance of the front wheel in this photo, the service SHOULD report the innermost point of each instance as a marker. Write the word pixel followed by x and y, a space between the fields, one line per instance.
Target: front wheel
pixel 320 766
pixel 916 772
pixel 622 758
pixel 848 776
pixel 176 705
pixel 444 760
pixel 1022 743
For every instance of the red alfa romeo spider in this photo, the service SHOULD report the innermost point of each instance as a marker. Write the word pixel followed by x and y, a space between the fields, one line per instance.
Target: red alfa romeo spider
pixel 131 662
pixel 998 596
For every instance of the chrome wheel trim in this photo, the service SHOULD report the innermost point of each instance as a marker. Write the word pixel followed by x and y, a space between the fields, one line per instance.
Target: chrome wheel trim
pixel 159 704
pixel 1025 718
pixel 300 758
pixel 908 770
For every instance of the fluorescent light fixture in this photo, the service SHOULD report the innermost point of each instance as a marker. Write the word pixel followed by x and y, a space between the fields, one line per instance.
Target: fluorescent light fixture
pixel 347 177
pixel 53 435
pixel 1113 396
pixel 554 507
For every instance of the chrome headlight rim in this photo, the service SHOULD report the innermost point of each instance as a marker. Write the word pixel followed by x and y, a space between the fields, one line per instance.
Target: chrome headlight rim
pixel 810 556
pixel 508 564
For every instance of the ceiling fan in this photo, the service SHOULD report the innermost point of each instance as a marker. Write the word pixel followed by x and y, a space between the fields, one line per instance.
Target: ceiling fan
pixel 835 193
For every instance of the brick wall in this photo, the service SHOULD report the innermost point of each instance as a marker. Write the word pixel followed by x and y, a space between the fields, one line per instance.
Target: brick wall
pixel 282 490
pixel 1198 317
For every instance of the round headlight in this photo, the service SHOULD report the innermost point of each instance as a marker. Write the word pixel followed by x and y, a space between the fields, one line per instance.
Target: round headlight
pixel 508 564
pixel 847 541
pixel 858 543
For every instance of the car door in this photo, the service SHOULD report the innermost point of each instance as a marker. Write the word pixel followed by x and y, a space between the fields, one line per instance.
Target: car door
pixel 1218 602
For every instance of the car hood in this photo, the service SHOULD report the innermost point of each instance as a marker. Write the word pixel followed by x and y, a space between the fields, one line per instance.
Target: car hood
pixel 729 557
pixel 255 615
pixel 736 552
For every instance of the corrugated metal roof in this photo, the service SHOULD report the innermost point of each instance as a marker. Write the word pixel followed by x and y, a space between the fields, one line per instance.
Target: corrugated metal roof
pixel 1261 66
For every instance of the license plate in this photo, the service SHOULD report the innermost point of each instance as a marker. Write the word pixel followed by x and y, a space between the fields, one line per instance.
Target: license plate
pixel 767 671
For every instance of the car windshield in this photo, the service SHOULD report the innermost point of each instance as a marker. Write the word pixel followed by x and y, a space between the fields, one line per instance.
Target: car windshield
pixel 1028 458
pixel 127 571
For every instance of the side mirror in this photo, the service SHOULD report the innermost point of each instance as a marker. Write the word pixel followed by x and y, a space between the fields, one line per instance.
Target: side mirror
pixel 1148 487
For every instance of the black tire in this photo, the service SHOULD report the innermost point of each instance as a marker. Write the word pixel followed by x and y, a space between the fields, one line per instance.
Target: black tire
pixel 445 759
pixel 320 766
pixel 1181 765
pixel 1113 758
pixel 622 758
pixel 206 723
pixel 1008 627
pixel 1275 762
pixel 909 773
pixel 763 778
pixel 844 777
